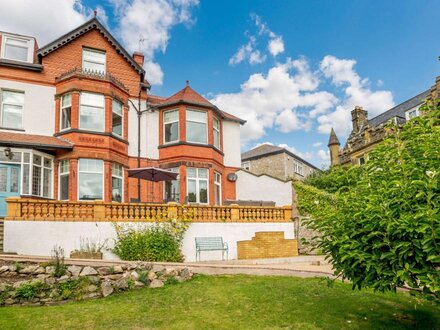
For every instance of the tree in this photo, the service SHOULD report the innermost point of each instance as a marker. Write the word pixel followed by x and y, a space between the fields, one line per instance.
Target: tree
pixel 380 226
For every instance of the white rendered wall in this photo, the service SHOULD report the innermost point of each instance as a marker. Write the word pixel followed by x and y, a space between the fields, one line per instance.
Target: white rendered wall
pixel 231 144
pixel 149 132
pixel 266 188
pixel 39 237
pixel 39 107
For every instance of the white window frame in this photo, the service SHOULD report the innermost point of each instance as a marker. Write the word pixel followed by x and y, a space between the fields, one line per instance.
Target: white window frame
pixel 103 112
pixel 85 49
pixel 197 179
pixel 2 90
pixel 171 122
pixel 30 47
pixel 121 115
pixel 61 111
pixel 246 165
pixel 216 131
pixel 200 122
pixel 103 178
pixel 60 173
pixel 298 168
pixel 408 113
pixel 219 184
pixel 175 170
pixel 122 181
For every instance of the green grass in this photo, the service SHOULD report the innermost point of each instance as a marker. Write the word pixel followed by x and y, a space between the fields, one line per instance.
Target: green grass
pixel 234 302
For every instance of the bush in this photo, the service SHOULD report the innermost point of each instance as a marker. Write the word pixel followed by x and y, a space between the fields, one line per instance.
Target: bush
pixel 28 291
pixel 58 261
pixel 158 242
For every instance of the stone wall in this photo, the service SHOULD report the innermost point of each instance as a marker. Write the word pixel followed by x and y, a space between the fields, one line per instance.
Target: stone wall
pixel 305 238
pixel 44 284
pixel 273 165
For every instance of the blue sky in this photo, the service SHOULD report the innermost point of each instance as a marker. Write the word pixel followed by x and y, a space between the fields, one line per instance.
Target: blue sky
pixel 327 56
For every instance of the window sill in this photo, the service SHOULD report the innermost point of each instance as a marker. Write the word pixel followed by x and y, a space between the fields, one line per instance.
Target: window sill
pixel 12 129
pixel 21 65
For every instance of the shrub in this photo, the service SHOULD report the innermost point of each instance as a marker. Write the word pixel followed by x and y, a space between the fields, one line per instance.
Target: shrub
pixel 58 261
pixel 28 291
pixel 143 277
pixel 73 288
pixel 157 242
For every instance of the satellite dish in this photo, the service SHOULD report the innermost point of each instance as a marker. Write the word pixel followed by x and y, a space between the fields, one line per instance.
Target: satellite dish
pixel 232 177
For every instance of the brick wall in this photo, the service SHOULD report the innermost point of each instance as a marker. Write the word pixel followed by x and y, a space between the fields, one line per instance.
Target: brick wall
pixel 267 245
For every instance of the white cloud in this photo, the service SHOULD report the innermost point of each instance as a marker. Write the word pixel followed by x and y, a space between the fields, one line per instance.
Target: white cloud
pixel 276 46
pixel 317 144
pixel 324 155
pixel 249 53
pixel 151 19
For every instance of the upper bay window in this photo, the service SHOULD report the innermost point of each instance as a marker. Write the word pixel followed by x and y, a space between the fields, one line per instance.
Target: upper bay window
pixel 93 61
pixel 90 179
pixel 66 111
pixel 117 118
pixel 17 48
pixel 196 126
pixel 171 126
pixel 216 131
pixel 12 103
pixel 91 113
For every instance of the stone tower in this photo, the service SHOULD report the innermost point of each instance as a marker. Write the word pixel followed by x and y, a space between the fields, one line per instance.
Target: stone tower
pixel 333 145
pixel 359 118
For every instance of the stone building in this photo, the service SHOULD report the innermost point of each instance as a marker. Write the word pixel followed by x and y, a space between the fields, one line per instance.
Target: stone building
pixel 366 133
pixel 277 162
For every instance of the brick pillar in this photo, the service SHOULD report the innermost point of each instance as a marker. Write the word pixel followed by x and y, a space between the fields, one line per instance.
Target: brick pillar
pixel 182 123
pixel 125 122
pixel 57 113
pixel 209 128
pixel 108 114
pixel 73 177
pixel 75 110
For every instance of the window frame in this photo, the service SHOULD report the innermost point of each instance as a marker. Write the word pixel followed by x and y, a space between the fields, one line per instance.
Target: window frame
pixel 121 177
pixel 197 179
pixel 408 113
pixel 298 168
pixel 243 165
pixel 79 175
pixel 121 115
pixel 175 170
pixel 216 131
pixel 65 107
pixel 60 174
pixel 30 47
pixel 219 184
pixel 2 90
pixel 171 122
pixel 103 112
pixel 94 51
pixel 199 122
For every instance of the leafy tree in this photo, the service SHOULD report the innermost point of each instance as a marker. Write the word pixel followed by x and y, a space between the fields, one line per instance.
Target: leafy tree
pixel 381 225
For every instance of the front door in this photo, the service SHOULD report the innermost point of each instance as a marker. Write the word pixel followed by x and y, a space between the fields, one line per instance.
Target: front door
pixel 9 184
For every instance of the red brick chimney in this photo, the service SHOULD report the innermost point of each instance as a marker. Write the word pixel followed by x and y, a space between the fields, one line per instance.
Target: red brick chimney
pixel 139 58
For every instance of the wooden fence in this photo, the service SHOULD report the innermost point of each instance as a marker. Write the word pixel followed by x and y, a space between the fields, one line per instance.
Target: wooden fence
pixel 50 210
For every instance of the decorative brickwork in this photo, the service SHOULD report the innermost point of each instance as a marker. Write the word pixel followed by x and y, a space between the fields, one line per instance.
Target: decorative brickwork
pixel 270 244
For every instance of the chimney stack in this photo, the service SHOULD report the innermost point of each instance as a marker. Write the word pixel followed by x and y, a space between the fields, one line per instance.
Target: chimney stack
pixel 359 118
pixel 139 58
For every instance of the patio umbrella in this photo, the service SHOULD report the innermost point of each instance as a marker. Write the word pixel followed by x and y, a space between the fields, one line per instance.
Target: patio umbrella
pixel 152 174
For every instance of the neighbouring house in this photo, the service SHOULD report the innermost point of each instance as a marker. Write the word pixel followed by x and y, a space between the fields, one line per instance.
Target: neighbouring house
pixel 277 162
pixel 69 126
pixel 367 133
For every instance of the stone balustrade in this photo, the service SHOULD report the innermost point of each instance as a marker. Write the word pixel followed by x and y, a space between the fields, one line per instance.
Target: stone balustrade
pixel 51 210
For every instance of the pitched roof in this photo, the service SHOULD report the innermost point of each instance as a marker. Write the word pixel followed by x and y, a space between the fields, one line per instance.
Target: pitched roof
pixel 231 117
pixel 399 110
pixel 33 141
pixel 269 149
pixel 79 31
pixel 333 138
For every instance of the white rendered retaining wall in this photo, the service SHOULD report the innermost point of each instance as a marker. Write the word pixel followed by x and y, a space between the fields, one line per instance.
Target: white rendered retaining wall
pixel 39 237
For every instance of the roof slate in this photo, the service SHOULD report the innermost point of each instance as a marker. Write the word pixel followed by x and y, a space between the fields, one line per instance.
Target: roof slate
pixel 31 140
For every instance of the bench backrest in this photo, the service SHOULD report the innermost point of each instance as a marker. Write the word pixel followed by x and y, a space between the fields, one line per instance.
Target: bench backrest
pixel 209 243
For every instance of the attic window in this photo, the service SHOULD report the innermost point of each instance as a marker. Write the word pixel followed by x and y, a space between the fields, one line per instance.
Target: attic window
pixel 93 61
pixel 17 48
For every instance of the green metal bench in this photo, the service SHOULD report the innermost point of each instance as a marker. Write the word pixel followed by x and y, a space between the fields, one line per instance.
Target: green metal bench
pixel 211 244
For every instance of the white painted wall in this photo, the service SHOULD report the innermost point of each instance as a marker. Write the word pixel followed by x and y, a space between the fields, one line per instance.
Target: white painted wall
pixel 266 188
pixel 231 144
pixel 149 132
pixel 39 237
pixel 39 107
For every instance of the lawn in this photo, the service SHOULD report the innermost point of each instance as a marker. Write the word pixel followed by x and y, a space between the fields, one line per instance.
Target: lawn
pixel 234 302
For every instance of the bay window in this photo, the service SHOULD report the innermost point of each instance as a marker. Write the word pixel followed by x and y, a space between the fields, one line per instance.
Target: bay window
pixel 197 185
pixel 172 188
pixel 64 179
pixel 93 61
pixel 117 182
pixel 66 111
pixel 17 48
pixel 196 126
pixel 117 118
pixel 216 131
pixel 171 126
pixel 91 112
pixel 90 179
pixel 12 103
pixel 217 188
pixel 41 183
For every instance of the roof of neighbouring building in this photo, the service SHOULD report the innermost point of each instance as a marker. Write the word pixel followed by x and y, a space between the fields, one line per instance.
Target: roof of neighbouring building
pixel 267 150
pixel 190 96
pixel 333 138
pixel 399 110
pixel 34 141
pixel 84 28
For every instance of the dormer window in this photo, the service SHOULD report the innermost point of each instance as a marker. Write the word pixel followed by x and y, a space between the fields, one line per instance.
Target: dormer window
pixel 93 61
pixel 17 48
